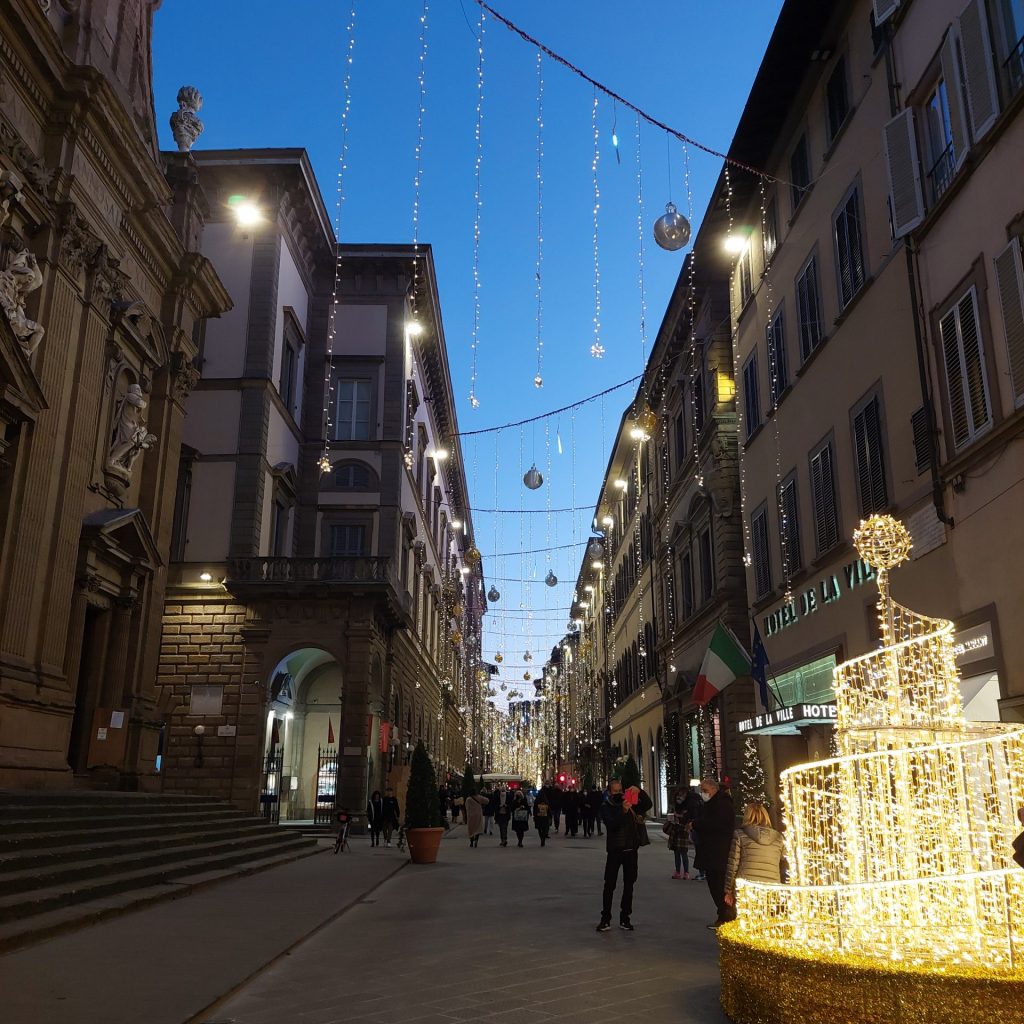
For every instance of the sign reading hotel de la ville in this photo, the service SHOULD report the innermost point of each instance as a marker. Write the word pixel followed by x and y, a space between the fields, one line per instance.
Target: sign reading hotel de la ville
pixel 825 591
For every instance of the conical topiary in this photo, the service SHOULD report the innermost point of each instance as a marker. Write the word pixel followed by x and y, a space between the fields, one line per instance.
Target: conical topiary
pixel 469 787
pixel 421 804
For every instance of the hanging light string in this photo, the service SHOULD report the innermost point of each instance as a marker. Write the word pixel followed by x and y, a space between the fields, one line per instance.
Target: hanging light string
pixel 696 358
pixel 477 205
pixel 641 249
pixel 538 380
pixel 417 180
pixel 324 461
pixel 596 349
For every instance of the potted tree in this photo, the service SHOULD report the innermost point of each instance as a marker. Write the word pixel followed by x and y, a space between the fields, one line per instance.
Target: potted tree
pixel 422 814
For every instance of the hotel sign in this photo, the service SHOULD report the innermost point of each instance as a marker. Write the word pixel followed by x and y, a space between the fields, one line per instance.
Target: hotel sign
pixel 827 590
pixel 789 720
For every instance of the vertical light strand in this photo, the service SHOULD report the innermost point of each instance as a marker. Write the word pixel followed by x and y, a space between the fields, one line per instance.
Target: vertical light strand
pixel 596 349
pixel 324 461
pixel 417 181
pixel 538 380
pixel 641 253
pixel 477 206
pixel 696 364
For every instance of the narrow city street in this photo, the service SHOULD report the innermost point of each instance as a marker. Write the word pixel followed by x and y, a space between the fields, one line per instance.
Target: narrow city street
pixel 489 934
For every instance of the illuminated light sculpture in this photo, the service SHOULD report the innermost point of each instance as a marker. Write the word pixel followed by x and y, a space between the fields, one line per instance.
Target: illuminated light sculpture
pixel 903 902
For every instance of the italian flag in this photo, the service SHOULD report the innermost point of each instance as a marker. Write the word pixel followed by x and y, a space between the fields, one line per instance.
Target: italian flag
pixel 725 661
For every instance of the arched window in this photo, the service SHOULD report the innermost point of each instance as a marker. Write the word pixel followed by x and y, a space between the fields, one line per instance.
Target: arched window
pixel 353 476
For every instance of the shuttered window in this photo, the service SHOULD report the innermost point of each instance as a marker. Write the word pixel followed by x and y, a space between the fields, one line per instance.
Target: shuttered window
pixel 770 233
pixel 778 364
pixel 789 526
pixel 849 247
pixel 799 172
pixel 808 308
pixel 751 395
pixel 922 439
pixel 745 276
pixel 970 411
pixel 884 9
pixel 687 574
pixel 905 196
pixel 707 564
pixel 680 438
pixel 759 543
pixel 976 59
pixel 1010 282
pixel 837 99
pixel 823 499
pixel 869 453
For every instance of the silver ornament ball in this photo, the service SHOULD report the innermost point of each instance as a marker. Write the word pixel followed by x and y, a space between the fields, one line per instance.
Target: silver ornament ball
pixel 532 478
pixel 551 579
pixel 672 229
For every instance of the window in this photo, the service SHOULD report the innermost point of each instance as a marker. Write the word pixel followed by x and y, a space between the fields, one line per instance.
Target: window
pixel 770 232
pixel 970 411
pixel 837 99
pixel 759 543
pixel 921 433
pixel 778 365
pixel 940 157
pixel 849 247
pixel 289 364
pixel 751 396
pixel 182 503
pixel 1011 16
pixel 869 455
pixel 808 309
pixel 823 499
pixel 353 414
pixel 352 476
pixel 1010 284
pixel 799 172
pixel 278 529
pixel 348 540
pixel 744 276
pixel 697 383
pixel 707 564
pixel 789 526
pixel 680 438
pixel 687 574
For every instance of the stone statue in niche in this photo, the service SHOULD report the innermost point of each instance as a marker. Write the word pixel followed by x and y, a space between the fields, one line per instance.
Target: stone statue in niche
pixel 21 277
pixel 130 436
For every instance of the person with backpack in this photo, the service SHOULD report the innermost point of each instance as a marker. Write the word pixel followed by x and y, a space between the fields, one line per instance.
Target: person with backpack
pixel 520 816
pixel 542 817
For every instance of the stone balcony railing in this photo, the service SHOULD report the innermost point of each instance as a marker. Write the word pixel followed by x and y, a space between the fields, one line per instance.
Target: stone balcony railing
pixel 274 571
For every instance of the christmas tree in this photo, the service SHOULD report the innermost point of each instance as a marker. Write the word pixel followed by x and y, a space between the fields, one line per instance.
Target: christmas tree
pixel 752 780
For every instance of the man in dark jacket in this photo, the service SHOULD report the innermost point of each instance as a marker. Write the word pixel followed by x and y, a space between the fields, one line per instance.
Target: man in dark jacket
pixel 713 829
pixel 623 823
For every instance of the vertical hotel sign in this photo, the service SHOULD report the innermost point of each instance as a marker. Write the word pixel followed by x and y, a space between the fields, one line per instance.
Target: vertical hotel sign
pixel 828 590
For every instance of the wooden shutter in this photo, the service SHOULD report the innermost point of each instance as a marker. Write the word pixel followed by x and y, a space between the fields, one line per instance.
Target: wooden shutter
pixel 885 9
pixel 904 168
pixel 1010 283
pixel 979 69
pixel 826 526
pixel 954 379
pixel 955 97
pixel 922 439
pixel 974 362
pixel 762 566
pixel 869 452
pixel 789 527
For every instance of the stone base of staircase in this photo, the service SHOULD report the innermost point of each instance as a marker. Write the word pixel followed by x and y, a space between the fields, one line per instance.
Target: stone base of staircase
pixel 70 859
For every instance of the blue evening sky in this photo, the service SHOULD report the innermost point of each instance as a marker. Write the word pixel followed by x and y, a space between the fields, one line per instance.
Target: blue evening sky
pixel 271 75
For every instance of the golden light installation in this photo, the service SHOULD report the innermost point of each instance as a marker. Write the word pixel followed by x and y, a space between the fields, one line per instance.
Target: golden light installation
pixel 903 903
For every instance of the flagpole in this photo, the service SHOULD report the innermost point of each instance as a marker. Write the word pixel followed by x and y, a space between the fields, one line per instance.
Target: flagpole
pixel 774 689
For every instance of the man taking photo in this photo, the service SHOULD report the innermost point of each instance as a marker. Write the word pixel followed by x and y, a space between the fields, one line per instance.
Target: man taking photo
pixel 623 818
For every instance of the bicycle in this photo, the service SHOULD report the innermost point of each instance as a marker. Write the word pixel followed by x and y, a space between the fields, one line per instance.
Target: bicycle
pixel 344 820
pixel 400 841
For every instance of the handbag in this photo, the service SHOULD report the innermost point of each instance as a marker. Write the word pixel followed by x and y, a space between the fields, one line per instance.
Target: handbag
pixel 642 838
pixel 667 828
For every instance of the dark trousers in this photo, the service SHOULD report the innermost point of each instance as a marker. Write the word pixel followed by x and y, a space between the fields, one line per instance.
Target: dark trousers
pixel 556 814
pixel 626 859
pixel 502 824
pixel 375 835
pixel 716 886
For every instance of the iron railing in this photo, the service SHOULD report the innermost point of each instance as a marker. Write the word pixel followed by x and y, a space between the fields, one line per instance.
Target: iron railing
pixel 1013 68
pixel 341 569
pixel 941 173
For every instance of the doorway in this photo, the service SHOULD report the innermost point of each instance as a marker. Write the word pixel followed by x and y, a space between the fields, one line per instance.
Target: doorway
pixel 88 685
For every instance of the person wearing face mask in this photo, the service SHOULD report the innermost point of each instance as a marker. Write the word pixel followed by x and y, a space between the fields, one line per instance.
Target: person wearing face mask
pixel 623 817
pixel 676 831
pixel 713 829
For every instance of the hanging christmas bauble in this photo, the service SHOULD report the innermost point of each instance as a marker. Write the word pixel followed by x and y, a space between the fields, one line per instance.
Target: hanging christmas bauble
pixel 446 683
pixel 527 656
pixel 493 594
pixel 456 637
pixel 532 478
pixel 457 610
pixel 538 381
pixel 472 555
pixel 571 627
pixel 644 424
pixel 499 657
pixel 482 675
pixel 527 676
pixel 595 549
pixel 551 579
pixel 672 229
pixel 502 687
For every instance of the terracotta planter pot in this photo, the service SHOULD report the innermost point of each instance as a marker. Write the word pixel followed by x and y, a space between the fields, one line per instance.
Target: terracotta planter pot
pixel 423 844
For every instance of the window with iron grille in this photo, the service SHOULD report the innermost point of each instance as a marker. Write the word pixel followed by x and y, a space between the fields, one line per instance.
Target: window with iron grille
pixel 789 526
pixel 707 564
pixel 823 498
pixel 799 171
pixel 849 244
pixel 778 363
pixel 963 350
pixel 762 561
pixel 869 453
pixel 751 395
pixel 808 308
pixel 837 99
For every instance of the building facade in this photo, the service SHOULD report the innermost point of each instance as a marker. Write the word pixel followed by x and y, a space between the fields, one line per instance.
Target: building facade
pixel 104 289
pixel 326 599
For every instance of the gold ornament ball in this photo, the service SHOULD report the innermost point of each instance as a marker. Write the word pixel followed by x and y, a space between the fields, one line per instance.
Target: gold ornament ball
pixel 883 542
pixel 647 421
pixel 499 657
pixel 527 676
pixel 473 555
pixel 457 610
pixel 456 638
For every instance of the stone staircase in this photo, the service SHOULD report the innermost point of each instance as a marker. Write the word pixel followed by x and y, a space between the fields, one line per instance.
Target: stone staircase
pixel 69 859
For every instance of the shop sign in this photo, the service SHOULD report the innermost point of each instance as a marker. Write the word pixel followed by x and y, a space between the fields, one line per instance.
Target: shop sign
pixel 789 720
pixel 974 644
pixel 827 590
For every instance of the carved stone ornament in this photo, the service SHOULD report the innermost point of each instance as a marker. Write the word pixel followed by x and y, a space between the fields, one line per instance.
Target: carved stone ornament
pixel 21 277
pixel 185 124
pixel 186 376
pixel 10 194
pixel 130 436
pixel 79 247
pixel 25 160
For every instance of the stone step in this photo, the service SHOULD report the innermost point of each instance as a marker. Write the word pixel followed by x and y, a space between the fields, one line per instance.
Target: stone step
pixel 93 797
pixel 68 872
pixel 23 931
pixel 18 905
pixel 58 823
pixel 80 846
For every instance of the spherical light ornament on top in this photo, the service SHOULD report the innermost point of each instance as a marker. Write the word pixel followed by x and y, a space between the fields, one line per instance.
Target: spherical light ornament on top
pixel 883 542
pixel 499 657
pixel 493 594
pixel 672 229
pixel 551 579
pixel 527 676
pixel 532 478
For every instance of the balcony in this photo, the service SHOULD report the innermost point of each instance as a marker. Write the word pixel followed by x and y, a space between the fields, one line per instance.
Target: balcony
pixel 1013 68
pixel 941 174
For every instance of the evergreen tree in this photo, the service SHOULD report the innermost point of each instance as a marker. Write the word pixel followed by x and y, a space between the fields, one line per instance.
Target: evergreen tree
pixel 469 787
pixel 752 780
pixel 421 804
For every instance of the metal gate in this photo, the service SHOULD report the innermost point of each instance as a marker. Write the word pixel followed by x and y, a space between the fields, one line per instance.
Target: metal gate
pixel 326 785
pixel 270 788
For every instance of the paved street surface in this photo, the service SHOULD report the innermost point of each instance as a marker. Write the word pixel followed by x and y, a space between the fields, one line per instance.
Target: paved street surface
pixel 489 934
pixel 500 935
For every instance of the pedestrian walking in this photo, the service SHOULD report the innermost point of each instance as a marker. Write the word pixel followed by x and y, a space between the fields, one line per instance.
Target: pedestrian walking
pixel 756 852
pixel 542 817
pixel 375 816
pixel 556 805
pixel 588 812
pixel 520 816
pixel 571 807
pixel 596 800
pixel 488 811
pixel 392 814
pixel 502 813
pixel 623 818
pixel 675 828
pixel 713 828
pixel 473 808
